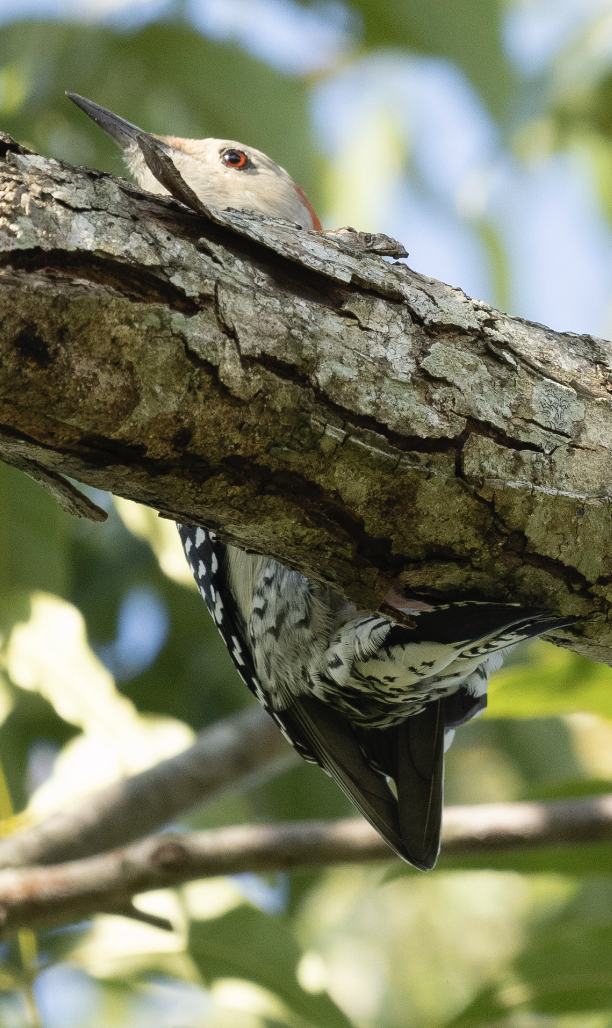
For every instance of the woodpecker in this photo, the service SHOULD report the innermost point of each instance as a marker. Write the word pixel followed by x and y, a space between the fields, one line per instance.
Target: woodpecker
pixel 374 702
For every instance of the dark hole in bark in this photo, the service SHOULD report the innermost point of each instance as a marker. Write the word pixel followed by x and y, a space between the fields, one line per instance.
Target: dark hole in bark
pixel 32 346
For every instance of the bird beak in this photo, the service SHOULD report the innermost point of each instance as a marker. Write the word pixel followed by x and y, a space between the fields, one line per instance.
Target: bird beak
pixel 122 131
pixel 157 155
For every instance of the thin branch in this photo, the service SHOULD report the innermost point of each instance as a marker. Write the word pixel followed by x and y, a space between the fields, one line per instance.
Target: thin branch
pixel 228 755
pixel 66 892
pixel 70 499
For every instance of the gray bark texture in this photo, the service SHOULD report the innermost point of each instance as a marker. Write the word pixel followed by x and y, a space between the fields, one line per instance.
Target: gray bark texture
pixel 304 397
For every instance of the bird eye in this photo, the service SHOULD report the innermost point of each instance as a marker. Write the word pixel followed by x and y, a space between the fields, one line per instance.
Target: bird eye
pixel 234 158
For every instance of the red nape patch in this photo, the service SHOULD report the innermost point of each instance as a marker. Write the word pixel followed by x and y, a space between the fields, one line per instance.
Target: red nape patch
pixel 316 224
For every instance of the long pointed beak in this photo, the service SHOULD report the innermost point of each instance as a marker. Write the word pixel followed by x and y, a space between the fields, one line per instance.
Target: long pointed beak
pixel 122 131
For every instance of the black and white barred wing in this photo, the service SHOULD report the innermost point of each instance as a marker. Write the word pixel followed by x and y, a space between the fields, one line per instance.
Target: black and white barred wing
pixel 206 556
pixel 210 563
pixel 454 648
pixel 446 644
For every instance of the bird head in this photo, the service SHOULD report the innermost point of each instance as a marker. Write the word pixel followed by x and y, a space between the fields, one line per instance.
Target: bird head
pixel 221 172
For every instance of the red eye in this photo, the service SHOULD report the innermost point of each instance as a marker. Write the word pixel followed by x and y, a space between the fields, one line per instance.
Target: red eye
pixel 234 158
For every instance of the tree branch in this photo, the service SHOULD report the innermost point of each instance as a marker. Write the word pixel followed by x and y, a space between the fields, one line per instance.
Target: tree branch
pixel 107 883
pixel 230 754
pixel 292 390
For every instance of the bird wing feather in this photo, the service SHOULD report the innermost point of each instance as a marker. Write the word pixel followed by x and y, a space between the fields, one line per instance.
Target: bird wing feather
pixel 411 754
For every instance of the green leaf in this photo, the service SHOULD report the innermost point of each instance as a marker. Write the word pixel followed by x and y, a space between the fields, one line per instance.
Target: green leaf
pixel 568 789
pixel 551 681
pixel 486 1009
pixel 566 966
pixel 260 948
pixel 563 969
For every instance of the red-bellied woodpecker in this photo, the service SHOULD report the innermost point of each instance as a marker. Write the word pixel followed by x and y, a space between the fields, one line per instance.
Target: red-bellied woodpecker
pixel 374 703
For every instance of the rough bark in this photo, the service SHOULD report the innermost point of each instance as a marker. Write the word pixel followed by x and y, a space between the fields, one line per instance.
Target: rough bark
pixel 36 896
pixel 304 397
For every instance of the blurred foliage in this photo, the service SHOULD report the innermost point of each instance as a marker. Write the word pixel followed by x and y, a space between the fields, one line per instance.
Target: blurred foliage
pixel 550 680
pixel 231 947
pixel 516 939
pixel 463 31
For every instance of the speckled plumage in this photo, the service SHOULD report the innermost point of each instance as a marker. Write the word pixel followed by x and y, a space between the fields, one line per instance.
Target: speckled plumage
pixel 296 642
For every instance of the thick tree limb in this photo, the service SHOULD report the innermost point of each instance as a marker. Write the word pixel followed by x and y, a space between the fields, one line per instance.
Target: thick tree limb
pixel 305 398
pixel 230 754
pixel 67 892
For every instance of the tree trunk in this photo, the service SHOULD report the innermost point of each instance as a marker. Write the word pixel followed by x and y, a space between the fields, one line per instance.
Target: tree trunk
pixel 302 396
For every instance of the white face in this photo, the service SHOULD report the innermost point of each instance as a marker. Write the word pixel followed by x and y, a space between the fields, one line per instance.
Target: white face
pixel 224 173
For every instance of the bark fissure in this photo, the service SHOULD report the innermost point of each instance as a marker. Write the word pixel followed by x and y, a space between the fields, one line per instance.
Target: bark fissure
pixel 120 277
